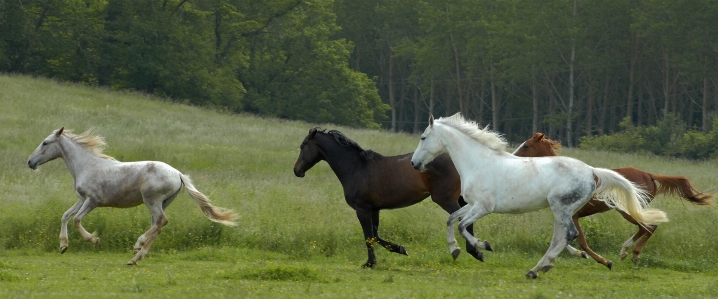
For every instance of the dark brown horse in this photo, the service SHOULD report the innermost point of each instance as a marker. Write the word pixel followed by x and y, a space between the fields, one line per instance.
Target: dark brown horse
pixel 373 182
pixel 540 146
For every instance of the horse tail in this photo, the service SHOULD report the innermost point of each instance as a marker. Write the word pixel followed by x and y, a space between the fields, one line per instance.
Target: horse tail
pixel 679 185
pixel 215 214
pixel 618 192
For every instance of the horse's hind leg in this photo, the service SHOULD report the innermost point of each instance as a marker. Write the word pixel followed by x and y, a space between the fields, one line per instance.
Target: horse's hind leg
pixel 650 229
pixel 386 244
pixel 87 206
pixel 143 238
pixel 563 232
pixel 63 227
pixel 158 221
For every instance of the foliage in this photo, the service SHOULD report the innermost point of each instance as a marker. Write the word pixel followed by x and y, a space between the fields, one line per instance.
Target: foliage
pixel 276 58
pixel 296 236
pixel 669 137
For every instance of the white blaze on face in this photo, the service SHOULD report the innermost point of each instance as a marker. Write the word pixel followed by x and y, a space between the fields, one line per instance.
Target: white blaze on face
pixel 518 148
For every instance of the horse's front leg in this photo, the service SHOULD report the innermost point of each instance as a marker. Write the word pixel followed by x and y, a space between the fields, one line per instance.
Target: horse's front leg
pixel 87 206
pixel 63 226
pixel 472 216
pixel 369 237
pixel 450 238
pixel 584 245
pixel 396 248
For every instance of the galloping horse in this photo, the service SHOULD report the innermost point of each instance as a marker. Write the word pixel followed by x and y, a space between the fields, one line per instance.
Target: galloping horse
pixel 102 181
pixel 373 182
pixel 494 181
pixel 539 146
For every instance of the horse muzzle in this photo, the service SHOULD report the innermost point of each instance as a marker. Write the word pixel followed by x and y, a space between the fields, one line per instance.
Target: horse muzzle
pixel 32 166
pixel 299 173
pixel 418 165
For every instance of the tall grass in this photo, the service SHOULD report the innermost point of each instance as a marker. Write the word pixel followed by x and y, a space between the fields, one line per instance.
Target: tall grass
pixel 245 163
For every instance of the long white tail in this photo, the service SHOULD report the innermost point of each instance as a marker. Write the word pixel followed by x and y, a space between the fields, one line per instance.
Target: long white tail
pixel 618 192
pixel 215 214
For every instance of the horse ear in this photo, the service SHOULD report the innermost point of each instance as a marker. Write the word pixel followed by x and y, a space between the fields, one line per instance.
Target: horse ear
pixel 312 132
pixel 431 120
pixel 59 132
pixel 539 136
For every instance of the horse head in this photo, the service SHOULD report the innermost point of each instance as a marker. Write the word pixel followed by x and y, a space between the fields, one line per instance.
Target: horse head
pixel 309 154
pixel 47 151
pixel 538 146
pixel 429 147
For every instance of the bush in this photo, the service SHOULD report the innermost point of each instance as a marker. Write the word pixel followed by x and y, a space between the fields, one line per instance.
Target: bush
pixel 669 137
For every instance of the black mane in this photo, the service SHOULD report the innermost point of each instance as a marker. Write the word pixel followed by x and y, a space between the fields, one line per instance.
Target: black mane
pixel 343 140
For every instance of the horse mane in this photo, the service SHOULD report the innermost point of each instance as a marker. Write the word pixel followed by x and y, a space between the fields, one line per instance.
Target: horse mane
pixel 343 140
pixel 554 144
pixel 491 139
pixel 95 144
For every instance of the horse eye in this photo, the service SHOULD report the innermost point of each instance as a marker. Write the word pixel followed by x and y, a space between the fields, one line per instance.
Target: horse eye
pixel 422 138
pixel 526 146
pixel 44 143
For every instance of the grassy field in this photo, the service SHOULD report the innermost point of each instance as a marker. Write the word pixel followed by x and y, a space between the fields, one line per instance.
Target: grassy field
pixel 297 237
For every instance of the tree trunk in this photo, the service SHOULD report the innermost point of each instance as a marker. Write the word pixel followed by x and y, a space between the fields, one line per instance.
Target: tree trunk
pixel 416 110
pixel 392 100
pixel 431 97
pixel 457 65
pixel 571 85
pixel 632 76
pixel 494 102
pixel 704 109
pixel 534 99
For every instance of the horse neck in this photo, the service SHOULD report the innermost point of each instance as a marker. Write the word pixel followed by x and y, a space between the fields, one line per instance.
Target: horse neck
pixel 467 154
pixel 340 158
pixel 547 150
pixel 77 158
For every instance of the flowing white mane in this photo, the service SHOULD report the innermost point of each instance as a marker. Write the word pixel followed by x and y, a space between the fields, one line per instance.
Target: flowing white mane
pixel 94 143
pixel 490 139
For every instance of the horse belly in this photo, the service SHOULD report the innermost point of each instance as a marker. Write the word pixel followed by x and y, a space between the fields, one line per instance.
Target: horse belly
pixel 518 205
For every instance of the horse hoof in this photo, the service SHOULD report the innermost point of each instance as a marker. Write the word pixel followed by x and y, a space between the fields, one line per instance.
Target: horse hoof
pixel 368 265
pixel 623 256
pixel 584 255
pixel 609 265
pixel 131 263
pixel 487 246
pixel 546 268
pixel 455 253
pixel 97 242
pixel 476 254
pixel 635 260
pixel 63 248
pixel 531 274
pixel 402 250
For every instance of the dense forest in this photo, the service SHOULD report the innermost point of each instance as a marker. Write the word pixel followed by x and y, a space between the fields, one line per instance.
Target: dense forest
pixel 569 68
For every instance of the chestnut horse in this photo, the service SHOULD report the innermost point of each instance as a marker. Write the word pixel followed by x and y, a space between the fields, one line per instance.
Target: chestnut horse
pixel 540 146
pixel 373 182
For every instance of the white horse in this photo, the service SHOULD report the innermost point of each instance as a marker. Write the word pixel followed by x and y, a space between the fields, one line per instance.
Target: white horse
pixel 102 181
pixel 494 181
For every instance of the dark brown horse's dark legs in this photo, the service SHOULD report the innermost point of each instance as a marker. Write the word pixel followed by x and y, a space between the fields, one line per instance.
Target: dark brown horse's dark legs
pixel 369 221
pixel 369 237
pixel 396 248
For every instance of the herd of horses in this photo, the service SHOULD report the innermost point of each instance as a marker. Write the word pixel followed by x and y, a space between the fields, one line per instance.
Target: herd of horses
pixel 464 168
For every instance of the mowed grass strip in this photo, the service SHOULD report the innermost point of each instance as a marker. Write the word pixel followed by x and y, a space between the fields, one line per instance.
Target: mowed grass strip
pixel 297 237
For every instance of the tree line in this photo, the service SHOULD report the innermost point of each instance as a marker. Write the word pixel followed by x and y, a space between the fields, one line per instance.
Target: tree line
pixel 569 68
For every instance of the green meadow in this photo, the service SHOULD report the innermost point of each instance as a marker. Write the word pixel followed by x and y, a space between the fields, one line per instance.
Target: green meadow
pixel 296 236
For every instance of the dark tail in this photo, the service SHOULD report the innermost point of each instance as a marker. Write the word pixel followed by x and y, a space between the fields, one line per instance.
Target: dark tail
pixel 680 186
